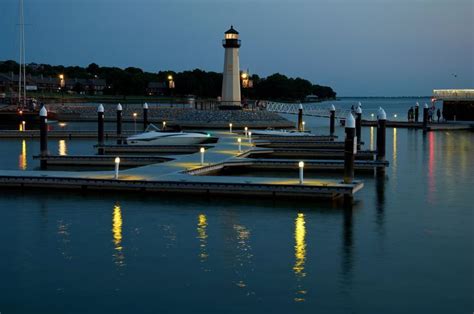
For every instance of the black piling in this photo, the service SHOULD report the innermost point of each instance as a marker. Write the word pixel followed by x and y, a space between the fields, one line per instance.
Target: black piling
pixel 349 149
pixel 43 137
pixel 417 112
pixel 119 124
pixel 300 118
pixel 332 120
pixel 145 116
pixel 100 129
pixel 381 138
pixel 425 118
pixel 358 121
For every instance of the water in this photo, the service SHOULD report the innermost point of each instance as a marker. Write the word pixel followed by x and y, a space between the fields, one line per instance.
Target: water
pixel 406 246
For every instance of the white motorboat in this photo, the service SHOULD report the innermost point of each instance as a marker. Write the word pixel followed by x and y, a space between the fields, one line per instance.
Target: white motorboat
pixel 153 136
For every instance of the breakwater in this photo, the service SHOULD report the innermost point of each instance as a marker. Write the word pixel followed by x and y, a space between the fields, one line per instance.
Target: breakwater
pixel 184 117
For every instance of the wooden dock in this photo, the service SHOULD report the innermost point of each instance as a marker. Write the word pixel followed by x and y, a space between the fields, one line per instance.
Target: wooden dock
pixel 61 134
pixel 308 153
pixel 100 160
pixel 174 176
pixel 300 144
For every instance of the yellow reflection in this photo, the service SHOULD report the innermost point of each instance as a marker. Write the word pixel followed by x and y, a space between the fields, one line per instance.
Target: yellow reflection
pixel 22 158
pixel 300 254
pixel 394 149
pixel 371 138
pixel 62 148
pixel 244 258
pixel 202 236
pixel 117 234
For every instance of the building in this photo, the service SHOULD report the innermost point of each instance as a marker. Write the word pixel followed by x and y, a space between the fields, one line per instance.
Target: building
pixel 156 88
pixel 458 104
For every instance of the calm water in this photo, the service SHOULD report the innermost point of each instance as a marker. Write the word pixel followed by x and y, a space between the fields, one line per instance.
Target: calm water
pixel 407 245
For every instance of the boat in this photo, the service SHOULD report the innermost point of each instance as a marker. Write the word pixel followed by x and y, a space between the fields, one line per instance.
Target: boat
pixel 153 136
pixel 311 98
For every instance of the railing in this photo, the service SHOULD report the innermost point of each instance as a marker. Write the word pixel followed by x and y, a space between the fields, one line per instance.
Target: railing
pixel 315 110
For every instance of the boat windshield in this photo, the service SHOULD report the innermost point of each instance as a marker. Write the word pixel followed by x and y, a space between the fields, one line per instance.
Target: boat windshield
pixel 152 127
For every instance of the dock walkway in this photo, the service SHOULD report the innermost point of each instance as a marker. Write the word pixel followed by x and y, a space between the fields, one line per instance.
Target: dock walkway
pixel 174 176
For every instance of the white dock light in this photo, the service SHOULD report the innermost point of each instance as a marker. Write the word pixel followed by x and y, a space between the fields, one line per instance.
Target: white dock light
pixel 250 137
pixel 202 150
pixel 301 166
pixel 117 164
pixel 246 130
pixel 303 125
pixel 230 127
pixel 23 123
pixel 239 140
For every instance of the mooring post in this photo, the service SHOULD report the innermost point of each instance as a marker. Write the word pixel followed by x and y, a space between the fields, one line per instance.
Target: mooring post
pixel 119 124
pixel 381 137
pixel 43 137
pixel 358 124
pixel 332 120
pixel 100 129
pixel 145 116
pixel 425 118
pixel 417 108
pixel 349 149
pixel 300 118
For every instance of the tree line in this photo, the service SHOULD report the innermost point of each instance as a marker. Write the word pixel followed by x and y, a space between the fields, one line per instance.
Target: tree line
pixel 134 81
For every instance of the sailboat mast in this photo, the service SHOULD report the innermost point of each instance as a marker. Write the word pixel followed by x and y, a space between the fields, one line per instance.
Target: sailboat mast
pixel 22 72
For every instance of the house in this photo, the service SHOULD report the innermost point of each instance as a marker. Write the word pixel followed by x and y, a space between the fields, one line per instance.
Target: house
pixel 156 88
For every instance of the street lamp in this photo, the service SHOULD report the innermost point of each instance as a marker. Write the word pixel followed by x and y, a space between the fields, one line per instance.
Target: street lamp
pixel 62 84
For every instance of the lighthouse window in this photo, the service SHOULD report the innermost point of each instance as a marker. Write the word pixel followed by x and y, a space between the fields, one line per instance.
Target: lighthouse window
pixel 231 36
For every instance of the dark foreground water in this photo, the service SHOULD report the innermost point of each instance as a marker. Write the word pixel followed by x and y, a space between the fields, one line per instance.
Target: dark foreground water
pixel 406 246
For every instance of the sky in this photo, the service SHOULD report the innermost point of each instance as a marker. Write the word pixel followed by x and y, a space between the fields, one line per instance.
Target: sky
pixel 358 47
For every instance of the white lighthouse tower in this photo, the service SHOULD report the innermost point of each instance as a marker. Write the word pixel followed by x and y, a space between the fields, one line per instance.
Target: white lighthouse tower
pixel 231 75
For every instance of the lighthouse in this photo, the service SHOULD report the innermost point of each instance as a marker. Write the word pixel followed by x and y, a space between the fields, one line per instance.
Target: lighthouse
pixel 231 75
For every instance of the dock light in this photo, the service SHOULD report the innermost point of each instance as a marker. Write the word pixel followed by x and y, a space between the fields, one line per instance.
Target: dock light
pixel 164 126
pixel 239 140
pixel 395 115
pixel 23 124
pixel 303 123
pixel 117 164
pixel 202 150
pixel 250 137
pixel 134 121
pixel 230 127
pixel 301 166
pixel 246 130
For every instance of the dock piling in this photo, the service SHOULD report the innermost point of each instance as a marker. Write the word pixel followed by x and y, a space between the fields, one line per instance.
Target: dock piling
pixel 119 124
pixel 425 118
pixel 349 149
pixel 332 120
pixel 43 137
pixel 145 116
pixel 358 122
pixel 100 128
pixel 417 111
pixel 381 138
pixel 300 118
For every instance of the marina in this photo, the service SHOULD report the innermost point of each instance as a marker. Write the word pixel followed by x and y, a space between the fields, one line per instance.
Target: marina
pixel 157 158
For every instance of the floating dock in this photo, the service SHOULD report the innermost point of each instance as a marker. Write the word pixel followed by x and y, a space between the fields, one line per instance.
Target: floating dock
pixel 175 176
pixel 62 134
pixel 100 160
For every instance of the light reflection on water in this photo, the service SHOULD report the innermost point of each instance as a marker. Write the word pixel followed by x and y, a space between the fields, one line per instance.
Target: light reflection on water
pixel 117 223
pixel 23 158
pixel 300 256
pixel 202 236
pixel 62 147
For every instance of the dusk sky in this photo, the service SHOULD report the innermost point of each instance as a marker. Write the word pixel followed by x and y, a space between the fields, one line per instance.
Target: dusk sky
pixel 360 48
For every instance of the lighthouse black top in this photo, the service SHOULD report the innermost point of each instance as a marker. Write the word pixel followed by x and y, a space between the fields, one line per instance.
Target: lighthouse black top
pixel 231 38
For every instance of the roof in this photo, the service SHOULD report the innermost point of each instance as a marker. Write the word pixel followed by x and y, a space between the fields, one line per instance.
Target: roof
pixel 454 94
pixel 232 30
